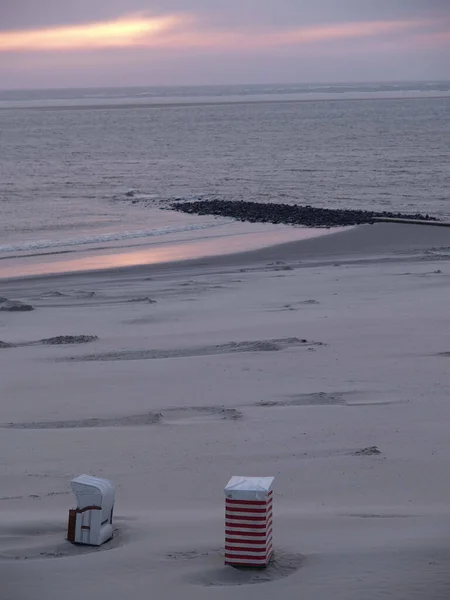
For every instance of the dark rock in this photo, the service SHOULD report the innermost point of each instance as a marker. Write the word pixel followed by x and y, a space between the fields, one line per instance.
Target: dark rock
pixel 288 214
pixel 14 306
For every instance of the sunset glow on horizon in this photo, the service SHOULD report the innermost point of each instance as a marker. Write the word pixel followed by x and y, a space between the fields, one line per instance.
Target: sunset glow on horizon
pixel 119 33
pixel 171 31
pixel 200 42
pixel 239 39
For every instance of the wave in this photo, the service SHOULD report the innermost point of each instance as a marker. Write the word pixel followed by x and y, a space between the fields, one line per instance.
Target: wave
pixel 105 237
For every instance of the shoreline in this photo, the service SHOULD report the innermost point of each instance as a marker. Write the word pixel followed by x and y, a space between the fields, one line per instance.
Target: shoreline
pixel 238 238
pixel 397 240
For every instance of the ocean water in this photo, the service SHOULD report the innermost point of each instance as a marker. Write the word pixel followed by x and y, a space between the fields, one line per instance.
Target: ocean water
pixel 87 169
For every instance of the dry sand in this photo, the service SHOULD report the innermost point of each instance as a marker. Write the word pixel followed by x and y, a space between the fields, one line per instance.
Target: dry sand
pixel 285 362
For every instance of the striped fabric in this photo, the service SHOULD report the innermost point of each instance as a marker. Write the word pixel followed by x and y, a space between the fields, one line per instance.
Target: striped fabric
pixel 248 532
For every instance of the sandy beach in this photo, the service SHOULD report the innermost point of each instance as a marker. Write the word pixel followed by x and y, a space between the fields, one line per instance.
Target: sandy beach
pixel 323 363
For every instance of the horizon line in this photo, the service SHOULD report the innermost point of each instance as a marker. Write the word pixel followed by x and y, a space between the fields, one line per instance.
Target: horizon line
pixel 217 85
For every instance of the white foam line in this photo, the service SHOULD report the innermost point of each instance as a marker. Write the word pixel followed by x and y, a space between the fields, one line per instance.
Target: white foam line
pixel 107 237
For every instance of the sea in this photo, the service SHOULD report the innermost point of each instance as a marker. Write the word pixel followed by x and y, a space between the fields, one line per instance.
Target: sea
pixel 86 173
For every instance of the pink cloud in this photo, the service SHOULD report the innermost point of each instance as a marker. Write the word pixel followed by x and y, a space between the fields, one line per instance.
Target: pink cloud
pixel 184 32
pixel 124 32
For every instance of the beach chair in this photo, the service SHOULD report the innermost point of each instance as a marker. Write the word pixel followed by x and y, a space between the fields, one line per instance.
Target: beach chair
pixel 91 522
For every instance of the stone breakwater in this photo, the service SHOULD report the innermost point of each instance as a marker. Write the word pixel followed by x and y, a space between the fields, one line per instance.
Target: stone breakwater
pixel 287 214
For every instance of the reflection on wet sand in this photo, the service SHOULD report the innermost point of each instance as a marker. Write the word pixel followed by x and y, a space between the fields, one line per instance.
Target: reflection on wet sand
pixel 109 258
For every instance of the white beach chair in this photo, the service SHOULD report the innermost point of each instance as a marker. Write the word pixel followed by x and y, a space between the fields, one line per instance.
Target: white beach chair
pixel 91 522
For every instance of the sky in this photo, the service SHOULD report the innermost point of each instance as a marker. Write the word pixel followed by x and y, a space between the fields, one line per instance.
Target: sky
pixel 95 43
